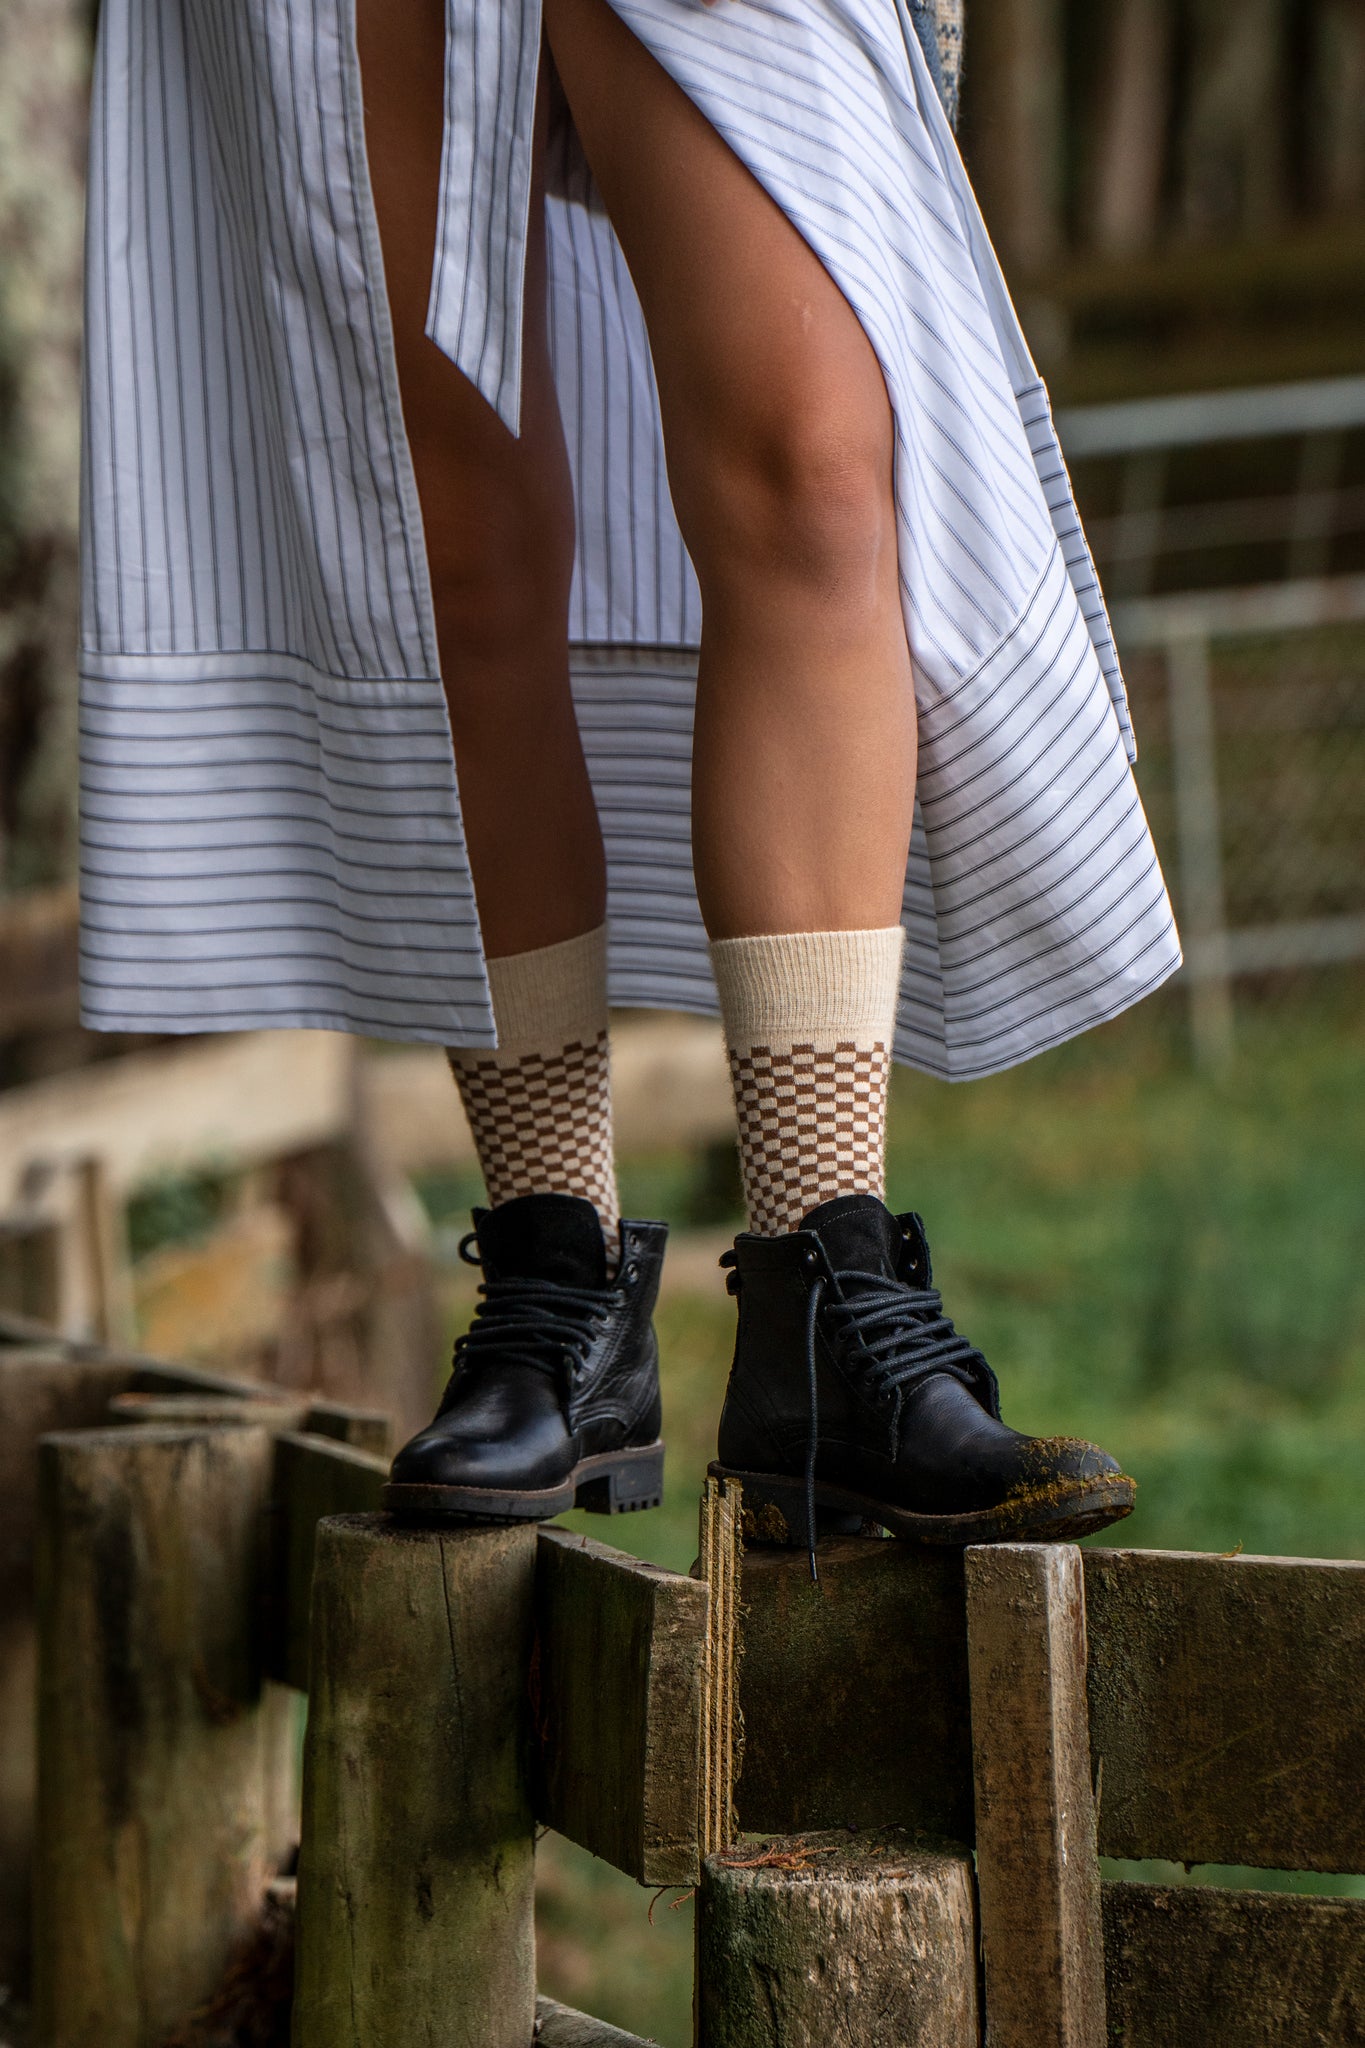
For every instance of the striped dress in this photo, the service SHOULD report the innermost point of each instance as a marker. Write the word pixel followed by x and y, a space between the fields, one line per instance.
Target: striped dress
pixel 271 824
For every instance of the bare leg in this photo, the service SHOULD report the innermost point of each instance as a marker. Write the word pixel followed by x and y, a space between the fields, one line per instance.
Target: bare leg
pixel 780 445
pixel 498 515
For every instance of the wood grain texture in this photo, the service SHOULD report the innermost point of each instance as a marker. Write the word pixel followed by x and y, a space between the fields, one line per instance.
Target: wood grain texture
pixel 1037 1870
pixel 805 1941
pixel 415 1901
pixel 312 1478
pixel 1194 1963
pixel 45 1385
pixel 618 1703
pixel 719 1565
pixel 853 1692
pixel 559 2026
pixel 1227 1709
pixel 238 1100
pixel 263 1408
pixel 164 1762
pixel 364 1429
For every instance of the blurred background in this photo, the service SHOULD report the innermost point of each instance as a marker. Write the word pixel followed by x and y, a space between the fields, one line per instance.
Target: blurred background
pixel 1157 1233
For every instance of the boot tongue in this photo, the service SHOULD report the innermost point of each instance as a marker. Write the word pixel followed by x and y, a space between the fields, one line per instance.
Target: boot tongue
pixel 859 1234
pixel 543 1237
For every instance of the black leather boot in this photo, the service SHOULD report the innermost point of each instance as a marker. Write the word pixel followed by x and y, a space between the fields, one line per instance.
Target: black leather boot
pixel 853 1398
pixel 554 1398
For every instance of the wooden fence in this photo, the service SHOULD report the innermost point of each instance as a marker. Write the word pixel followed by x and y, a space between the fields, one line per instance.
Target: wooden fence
pixel 890 1789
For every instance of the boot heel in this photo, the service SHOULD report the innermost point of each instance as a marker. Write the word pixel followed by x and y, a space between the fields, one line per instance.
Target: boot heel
pixel 636 1481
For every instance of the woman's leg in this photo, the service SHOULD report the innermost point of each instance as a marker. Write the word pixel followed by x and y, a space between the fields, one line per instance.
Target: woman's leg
pixel 780 447
pixel 780 444
pixel 498 516
pixel 555 1394
pixel 849 1389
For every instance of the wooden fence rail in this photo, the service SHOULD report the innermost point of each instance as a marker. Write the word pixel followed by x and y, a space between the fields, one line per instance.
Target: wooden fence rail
pixel 931 1748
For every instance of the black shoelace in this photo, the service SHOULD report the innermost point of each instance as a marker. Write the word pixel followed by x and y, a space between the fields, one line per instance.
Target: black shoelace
pixel 539 1322
pixel 895 1335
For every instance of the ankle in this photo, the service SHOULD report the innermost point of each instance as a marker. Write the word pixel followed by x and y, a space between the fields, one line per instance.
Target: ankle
pixel 809 1024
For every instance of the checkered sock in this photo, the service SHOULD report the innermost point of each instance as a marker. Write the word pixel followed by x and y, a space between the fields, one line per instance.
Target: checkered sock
pixel 540 1106
pixel 809 1019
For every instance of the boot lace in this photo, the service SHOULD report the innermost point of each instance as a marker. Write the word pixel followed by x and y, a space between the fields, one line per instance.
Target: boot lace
pixel 894 1335
pixel 538 1322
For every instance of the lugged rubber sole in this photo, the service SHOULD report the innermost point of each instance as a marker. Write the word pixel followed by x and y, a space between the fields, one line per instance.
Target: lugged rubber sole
pixel 607 1483
pixel 774 1511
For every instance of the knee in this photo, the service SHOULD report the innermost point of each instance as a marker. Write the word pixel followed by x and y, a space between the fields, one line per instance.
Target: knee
pixel 500 557
pixel 803 499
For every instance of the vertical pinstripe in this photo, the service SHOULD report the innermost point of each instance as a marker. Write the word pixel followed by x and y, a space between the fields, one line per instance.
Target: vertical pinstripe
pixel 271 823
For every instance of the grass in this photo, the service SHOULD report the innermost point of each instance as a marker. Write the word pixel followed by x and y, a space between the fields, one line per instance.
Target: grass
pixel 1172 1265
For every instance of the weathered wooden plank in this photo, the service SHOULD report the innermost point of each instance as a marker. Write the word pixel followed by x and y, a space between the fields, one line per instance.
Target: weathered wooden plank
pixel 559 2026
pixel 264 1408
pixel 314 1477
pixel 164 1762
pixel 618 1706
pixel 364 1429
pixel 1227 1710
pixel 1037 1870
pixel 415 1903
pixel 44 1386
pixel 1186 1963
pixel 718 1564
pixel 236 1100
pixel 837 1731
pixel 809 1940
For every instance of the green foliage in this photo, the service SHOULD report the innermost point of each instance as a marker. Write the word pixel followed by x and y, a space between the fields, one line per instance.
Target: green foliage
pixel 176 1208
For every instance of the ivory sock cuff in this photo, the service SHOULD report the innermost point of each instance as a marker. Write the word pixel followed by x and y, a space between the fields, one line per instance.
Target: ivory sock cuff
pixel 550 997
pixel 809 988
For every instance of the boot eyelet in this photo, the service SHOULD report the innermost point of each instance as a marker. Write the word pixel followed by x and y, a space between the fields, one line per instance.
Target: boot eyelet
pixel 632 1271
pixel 810 1260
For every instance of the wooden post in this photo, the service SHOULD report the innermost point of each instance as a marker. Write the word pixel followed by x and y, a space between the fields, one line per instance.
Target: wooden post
pixel 163 1760
pixel 44 1386
pixel 415 1877
pixel 812 1939
pixel 1037 1867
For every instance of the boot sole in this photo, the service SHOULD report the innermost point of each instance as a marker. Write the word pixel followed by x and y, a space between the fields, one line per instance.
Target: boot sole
pixel 607 1483
pixel 774 1511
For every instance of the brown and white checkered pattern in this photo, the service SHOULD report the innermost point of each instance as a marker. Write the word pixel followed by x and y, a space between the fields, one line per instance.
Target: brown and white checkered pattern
pixel 812 1125
pixel 542 1122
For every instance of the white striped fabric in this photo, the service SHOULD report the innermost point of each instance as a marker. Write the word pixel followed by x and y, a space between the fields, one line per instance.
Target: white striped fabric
pixel 270 818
